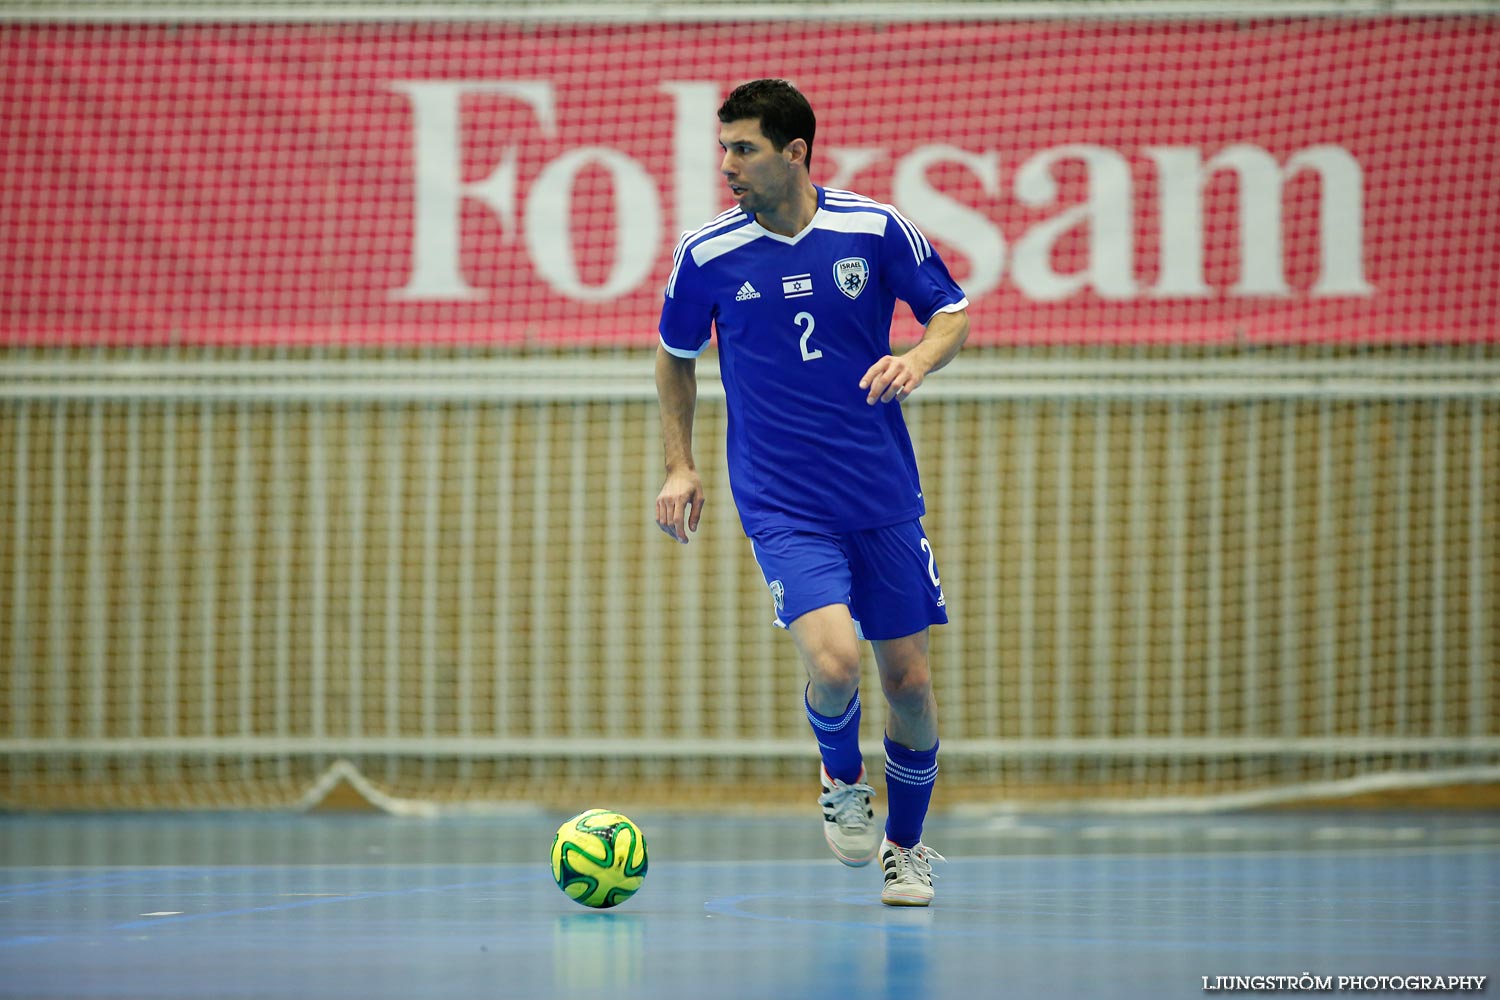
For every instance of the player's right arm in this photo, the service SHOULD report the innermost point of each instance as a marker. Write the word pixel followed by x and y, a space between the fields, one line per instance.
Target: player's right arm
pixel 686 325
pixel 679 505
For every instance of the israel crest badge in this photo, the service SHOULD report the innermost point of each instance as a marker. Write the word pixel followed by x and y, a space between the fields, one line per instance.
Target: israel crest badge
pixel 851 275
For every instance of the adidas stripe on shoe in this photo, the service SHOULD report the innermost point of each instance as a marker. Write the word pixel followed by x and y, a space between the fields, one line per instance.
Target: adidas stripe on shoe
pixel 908 874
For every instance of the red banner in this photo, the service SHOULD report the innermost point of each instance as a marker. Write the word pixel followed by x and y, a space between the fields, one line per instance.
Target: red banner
pixel 1275 182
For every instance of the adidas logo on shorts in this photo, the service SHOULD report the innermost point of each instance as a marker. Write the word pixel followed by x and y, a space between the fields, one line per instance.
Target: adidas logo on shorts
pixel 747 291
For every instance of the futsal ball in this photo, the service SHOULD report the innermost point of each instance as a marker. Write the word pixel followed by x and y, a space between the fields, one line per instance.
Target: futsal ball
pixel 599 858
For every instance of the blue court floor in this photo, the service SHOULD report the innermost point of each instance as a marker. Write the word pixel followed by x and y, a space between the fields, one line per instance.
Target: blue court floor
pixel 307 907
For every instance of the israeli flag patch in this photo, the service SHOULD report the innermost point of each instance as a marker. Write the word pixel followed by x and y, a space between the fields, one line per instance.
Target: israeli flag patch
pixel 851 275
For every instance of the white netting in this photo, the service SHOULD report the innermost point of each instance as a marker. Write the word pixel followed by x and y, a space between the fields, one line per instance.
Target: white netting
pixel 329 431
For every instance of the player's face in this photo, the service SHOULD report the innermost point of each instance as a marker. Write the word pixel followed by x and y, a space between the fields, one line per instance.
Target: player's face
pixel 760 178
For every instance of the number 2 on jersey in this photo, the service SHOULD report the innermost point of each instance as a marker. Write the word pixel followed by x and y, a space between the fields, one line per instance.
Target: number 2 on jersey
pixel 807 355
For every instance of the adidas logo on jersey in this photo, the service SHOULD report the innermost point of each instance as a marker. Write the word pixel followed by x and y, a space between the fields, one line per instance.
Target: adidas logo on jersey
pixel 747 291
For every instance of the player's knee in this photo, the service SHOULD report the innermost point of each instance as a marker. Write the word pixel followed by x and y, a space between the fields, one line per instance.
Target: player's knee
pixel 834 672
pixel 909 688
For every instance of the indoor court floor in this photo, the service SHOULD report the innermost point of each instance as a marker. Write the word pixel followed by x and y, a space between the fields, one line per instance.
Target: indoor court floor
pixel 366 907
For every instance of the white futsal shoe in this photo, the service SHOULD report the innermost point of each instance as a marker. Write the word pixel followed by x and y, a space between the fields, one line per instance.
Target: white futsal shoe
pixel 908 874
pixel 849 820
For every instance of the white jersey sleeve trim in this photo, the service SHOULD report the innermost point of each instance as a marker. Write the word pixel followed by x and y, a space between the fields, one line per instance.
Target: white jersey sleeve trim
pixel 682 352
pixel 951 307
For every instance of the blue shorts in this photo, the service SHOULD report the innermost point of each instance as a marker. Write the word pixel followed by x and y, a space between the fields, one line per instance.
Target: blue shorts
pixel 887 576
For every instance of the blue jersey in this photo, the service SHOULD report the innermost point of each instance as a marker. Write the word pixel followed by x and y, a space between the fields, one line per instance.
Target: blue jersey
pixel 800 320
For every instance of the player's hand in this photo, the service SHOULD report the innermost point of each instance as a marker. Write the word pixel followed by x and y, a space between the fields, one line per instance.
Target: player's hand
pixel 679 505
pixel 891 378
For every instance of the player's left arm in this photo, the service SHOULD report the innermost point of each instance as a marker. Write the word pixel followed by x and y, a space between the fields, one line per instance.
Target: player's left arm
pixel 898 376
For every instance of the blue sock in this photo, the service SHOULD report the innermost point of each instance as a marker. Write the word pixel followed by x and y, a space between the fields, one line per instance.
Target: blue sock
pixel 838 740
pixel 909 775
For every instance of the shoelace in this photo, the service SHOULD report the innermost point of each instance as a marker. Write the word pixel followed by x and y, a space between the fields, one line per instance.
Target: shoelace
pixel 919 860
pixel 849 811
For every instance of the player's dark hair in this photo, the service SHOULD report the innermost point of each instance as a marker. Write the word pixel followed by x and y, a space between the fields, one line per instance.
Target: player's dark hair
pixel 783 112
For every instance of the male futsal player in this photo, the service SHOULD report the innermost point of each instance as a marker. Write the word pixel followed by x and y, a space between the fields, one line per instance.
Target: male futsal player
pixel 801 283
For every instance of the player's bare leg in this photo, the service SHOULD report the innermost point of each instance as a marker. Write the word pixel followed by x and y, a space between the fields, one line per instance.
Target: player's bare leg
pixel 829 648
pixel 910 770
pixel 907 682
